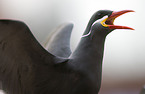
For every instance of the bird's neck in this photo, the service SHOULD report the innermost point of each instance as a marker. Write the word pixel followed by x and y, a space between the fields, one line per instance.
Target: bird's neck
pixel 89 53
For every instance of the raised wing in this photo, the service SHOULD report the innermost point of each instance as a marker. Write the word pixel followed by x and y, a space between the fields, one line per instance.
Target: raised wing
pixel 21 56
pixel 58 42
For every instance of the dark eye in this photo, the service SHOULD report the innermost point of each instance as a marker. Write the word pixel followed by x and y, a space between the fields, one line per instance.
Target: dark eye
pixel 99 14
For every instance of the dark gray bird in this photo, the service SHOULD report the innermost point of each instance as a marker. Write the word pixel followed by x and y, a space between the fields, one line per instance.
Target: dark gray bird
pixel 27 68
pixel 58 42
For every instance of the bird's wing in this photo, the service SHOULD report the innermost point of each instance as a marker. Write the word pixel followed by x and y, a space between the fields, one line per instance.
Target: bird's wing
pixel 20 56
pixel 58 42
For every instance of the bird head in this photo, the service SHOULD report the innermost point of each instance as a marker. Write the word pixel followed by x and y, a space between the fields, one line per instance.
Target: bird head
pixel 103 20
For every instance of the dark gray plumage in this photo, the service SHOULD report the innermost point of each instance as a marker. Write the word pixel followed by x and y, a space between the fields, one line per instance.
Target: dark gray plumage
pixel 27 68
pixel 58 42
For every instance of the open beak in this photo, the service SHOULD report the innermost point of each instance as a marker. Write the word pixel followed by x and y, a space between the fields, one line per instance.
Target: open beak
pixel 110 20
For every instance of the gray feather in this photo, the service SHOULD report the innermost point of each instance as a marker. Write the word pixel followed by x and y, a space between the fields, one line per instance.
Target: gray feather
pixel 58 42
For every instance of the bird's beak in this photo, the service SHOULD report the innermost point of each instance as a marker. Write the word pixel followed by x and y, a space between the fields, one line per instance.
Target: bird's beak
pixel 109 22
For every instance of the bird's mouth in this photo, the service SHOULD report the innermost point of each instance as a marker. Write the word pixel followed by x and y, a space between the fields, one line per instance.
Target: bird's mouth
pixel 109 22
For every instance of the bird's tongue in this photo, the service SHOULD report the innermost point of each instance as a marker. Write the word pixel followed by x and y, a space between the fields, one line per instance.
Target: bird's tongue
pixel 114 15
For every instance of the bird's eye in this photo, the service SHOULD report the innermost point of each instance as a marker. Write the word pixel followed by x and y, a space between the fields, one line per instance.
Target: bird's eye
pixel 99 14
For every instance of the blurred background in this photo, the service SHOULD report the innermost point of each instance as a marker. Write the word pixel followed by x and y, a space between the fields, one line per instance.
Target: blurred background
pixel 124 56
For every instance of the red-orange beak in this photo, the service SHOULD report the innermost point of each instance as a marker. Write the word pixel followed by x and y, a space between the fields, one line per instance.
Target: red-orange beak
pixel 109 22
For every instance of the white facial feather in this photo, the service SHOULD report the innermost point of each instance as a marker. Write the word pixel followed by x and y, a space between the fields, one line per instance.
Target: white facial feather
pixel 99 20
